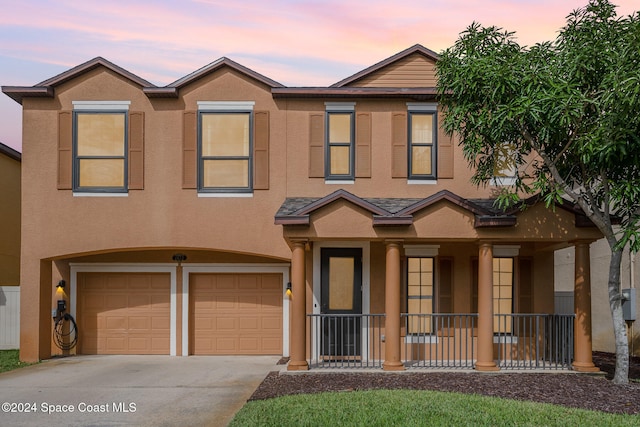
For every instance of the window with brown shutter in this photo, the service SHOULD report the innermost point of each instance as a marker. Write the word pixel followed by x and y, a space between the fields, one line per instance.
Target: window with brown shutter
pixel 101 148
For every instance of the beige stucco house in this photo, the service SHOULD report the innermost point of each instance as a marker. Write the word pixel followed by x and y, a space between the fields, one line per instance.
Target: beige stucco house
pixel 228 214
pixel 10 161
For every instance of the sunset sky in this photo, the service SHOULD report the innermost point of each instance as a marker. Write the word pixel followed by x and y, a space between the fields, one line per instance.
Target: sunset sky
pixel 297 43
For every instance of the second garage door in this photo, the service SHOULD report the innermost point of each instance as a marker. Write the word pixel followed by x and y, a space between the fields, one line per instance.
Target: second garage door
pixel 235 314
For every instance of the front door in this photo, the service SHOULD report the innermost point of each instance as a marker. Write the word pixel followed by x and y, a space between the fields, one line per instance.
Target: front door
pixel 341 300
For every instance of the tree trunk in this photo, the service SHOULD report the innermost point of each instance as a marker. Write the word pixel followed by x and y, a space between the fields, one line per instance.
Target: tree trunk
pixel 619 327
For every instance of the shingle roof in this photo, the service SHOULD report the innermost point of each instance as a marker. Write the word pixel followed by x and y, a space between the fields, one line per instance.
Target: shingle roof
pixel 391 211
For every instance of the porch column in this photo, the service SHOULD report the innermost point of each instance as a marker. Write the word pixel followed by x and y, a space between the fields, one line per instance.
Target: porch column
pixel 583 361
pixel 392 347
pixel 298 323
pixel 485 309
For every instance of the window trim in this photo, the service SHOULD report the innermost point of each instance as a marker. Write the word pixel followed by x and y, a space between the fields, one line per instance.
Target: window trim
pixel 340 108
pixel 224 107
pixel 99 107
pixel 427 108
pixel 421 252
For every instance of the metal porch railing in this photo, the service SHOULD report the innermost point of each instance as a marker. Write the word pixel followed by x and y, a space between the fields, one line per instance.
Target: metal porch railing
pixel 345 340
pixel 440 340
pixel 534 341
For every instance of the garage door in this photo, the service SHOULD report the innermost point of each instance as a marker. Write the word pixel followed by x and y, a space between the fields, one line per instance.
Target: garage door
pixel 123 313
pixel 235 314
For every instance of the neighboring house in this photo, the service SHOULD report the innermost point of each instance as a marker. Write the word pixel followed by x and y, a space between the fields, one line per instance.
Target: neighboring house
pixel 181 216
pixel 603 336
pixel 10 161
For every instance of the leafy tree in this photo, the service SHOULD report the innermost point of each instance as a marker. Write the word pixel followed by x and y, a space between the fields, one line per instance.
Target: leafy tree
pixel 569 113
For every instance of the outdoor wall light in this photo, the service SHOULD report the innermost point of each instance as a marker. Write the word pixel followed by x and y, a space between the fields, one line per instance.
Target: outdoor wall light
pixel 289 289
pixel 61 284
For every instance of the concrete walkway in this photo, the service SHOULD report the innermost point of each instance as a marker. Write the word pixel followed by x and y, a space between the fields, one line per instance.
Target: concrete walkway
pixel 131 390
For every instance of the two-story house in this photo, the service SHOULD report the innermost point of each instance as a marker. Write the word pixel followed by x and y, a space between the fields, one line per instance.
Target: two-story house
pixel 228 214
pixel 9 247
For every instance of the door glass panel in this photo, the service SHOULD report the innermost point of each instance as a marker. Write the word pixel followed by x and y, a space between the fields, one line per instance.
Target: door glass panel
pixel 341 283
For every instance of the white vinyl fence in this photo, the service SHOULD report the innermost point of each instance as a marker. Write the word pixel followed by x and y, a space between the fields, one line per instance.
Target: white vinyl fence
pixel 9 317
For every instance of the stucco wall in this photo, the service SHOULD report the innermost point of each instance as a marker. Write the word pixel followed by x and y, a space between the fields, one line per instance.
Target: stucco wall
pixel 9 221
pixel 603 338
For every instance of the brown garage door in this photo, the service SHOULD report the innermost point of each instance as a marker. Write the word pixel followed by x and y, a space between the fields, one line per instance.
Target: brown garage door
pixel 235 314
pixel 123 313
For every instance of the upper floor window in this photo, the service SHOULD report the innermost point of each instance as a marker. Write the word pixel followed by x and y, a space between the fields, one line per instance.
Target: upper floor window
pixel 504 169
pixel 100 147
pixel 422 141
pixel 340 146
pixel 225 147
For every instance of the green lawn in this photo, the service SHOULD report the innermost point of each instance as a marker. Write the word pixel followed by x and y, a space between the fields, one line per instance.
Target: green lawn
pixel 415 408
pixel 9 359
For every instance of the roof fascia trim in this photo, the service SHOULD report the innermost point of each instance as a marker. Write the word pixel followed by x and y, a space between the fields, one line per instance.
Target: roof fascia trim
pixel 417 48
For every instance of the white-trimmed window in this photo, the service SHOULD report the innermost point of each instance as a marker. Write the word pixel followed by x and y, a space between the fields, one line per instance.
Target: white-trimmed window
pixel 225 146
pixel 503 269
pixel 504 170
pixel 340 137
pixel 423 137
pixel 100 146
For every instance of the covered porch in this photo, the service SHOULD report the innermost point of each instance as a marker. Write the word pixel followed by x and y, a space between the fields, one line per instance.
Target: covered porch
pixel 439 288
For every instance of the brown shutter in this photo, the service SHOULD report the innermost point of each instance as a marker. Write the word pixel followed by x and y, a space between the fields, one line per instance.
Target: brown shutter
pixel 316 145
pixel 445 285
pixel 525 286
pixel 136 150
pixel 189 150
pixel 363 145
pixel 399 154
pixel 261 150
pixel 445 151
pixel 65 150
pixel 475 270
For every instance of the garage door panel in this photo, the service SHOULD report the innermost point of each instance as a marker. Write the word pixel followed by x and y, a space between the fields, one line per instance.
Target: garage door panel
pixel 239 306
pixel 271 282
pixel 271 323
pixel 226 324
pixel 247 282
pixel 249 323
pixel 124 313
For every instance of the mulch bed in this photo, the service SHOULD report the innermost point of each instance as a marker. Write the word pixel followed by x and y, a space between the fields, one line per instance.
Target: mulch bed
pixel 595 392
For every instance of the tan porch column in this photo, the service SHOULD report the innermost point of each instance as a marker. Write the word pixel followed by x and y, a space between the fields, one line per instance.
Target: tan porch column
pixel 485 309
pixel 298 321
pixel 392 308
pixel 583 361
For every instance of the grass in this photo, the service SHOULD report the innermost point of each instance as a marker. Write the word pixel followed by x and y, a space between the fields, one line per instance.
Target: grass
pixel 10 359
pixel 415 408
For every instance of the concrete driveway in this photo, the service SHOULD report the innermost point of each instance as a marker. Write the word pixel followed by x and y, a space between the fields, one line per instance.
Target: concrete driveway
pixel 131 390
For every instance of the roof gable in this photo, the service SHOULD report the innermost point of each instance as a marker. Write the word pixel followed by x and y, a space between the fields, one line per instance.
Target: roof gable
pixel 413 67
pixel 46 88
pixel 171 90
